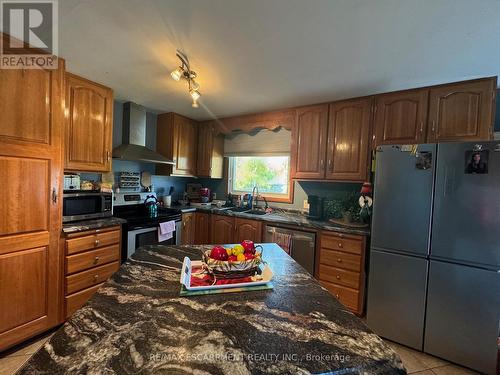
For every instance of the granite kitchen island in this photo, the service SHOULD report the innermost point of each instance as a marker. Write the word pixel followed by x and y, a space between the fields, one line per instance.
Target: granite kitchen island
pixel 138 323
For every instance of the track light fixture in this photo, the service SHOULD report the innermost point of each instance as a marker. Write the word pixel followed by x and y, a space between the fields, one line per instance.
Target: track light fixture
pixel 184 71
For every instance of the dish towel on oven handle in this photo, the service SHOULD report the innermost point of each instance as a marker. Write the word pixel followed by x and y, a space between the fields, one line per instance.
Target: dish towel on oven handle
pixel 284 240
pixel 166 230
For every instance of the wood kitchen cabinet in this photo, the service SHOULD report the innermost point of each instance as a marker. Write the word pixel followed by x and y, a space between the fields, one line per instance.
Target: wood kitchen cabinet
pixel 462 111
pixel 91 258
pixel 31 137
pixel 222 229
pixel 210 159
pixel 401 117
pixel 177 139
pixel 88 125
pixel 309 139
pixel 202 228
pixel 188 228
pixel 349 140
pixel 341 268
pixel 247 229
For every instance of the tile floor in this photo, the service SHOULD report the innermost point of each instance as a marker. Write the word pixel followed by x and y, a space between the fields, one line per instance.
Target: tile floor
pixel 415 362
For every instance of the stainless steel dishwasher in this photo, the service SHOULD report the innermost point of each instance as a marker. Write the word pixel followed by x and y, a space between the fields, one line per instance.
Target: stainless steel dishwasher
pixel 303 245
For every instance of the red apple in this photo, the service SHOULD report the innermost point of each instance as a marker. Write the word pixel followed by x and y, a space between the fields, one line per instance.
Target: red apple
pixel 218 253
pixel 249 256
pixel 232 258
pixel 249 246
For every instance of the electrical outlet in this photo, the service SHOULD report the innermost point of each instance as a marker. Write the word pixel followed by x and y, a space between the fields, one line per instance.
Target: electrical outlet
pixel 306 205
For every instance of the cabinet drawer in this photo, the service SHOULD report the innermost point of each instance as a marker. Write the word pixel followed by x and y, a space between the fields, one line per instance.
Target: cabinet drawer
pixel 89 259
pixel 339 276
pixel 91 277
pixel 80 244
pixel 348 297
pixel 76 300
pixel 342 243
pixel 339 259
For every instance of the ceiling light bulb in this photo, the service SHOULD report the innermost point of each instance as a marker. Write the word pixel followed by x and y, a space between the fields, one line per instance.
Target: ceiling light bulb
pixel 194 94
pixel 177 73
pixel 194 104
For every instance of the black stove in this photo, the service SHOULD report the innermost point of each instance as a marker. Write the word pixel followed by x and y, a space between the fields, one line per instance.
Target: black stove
pixel 137 216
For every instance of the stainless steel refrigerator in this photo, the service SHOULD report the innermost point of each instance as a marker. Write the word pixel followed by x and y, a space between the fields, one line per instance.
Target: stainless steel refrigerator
pixel 434 279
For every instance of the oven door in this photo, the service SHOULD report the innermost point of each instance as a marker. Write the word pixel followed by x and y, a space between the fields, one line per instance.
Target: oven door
pixel 149 236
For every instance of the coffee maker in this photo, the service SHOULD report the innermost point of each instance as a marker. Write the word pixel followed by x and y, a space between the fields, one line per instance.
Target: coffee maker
pixel 315 207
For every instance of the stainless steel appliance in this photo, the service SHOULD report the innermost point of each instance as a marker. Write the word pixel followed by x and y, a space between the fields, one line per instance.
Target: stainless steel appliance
pixel 141 228
pixel 302 248
pixel 84 205
pixel 434 275
pixel 71 182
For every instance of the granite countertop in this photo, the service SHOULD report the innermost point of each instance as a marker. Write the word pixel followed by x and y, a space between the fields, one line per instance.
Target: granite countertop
pixel 282 217
pixel 80 226
pixel 138 323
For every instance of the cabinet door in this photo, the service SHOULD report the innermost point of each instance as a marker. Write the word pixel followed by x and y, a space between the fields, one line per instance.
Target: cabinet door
pixel 30 215
pixel 309 138
pixel 349 140
pixel 188 229
pixel 205 147
pixel 88 128
pixel 401 117
pixel 185 146
pixel 462 111
pixel 222 230
pixel 202 228
pixel 247 229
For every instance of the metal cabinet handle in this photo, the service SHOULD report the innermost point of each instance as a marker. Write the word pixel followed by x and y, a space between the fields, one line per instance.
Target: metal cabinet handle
pixel 107 155
pixel 337 296
pixel 337 277
pixel 96 277
pixel 54 195
pixel 339 260
pixel 340 244
pixel 433 125
pixel 421 126
pixel 96 259
pixel 96 242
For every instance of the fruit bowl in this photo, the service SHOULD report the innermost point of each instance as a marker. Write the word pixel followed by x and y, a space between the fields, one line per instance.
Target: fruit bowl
pixel 233 267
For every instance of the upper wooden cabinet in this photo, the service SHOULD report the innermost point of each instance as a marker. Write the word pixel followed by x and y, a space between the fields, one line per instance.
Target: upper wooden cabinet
pixel 247 229
pixel 31 103
pixel 462 111
pixel 89 125
pixel 177 139
pixel 401 117
pixel 349 140
pixel 210 158
pixel 222 229
pixel 309 136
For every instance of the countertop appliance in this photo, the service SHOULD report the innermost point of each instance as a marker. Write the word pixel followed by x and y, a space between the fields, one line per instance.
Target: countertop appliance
pixel 71 182
pixel 141 228
pixel 434 275
pixel 84 205
pixel 315 207
pixel 302 248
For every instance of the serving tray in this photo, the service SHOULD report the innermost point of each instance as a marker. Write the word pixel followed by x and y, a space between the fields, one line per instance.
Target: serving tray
pixel 190 268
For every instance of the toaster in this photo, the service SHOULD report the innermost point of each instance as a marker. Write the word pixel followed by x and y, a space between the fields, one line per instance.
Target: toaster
pixel 71 182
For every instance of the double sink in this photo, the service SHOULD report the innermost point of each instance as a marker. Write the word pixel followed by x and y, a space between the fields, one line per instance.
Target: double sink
pixel 246 210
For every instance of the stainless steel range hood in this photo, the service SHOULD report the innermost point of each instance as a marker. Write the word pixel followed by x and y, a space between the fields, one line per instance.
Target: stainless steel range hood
pixel 133 145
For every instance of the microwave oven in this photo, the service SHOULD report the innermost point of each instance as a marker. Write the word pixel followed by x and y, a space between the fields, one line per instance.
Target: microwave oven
pixel 86 205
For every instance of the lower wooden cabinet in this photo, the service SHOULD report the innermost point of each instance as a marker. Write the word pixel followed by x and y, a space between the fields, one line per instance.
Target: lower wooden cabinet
pixel 247 229
pixel 188 228
pixel 222 229
pixel 341 268
pixel 202 228
pixel 91 258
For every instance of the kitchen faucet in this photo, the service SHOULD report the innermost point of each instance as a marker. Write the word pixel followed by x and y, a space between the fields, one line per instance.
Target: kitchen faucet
pixel 255 200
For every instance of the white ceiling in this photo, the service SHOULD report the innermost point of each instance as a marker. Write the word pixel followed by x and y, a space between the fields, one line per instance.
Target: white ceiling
pixel 256 55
